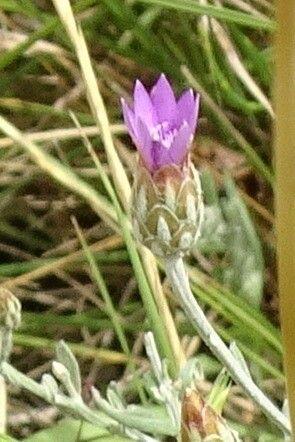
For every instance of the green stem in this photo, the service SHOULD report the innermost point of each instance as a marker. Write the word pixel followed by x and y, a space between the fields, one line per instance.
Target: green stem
pixel 103 355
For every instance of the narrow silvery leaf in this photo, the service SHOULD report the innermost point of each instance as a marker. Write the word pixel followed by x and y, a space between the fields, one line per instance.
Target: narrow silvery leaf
pixel 64 376
pixel 157 396
pixel 139 436
pixel 153 355
pixel 17 378
pixel 50 384
pixel 114 399
pixel 239 357
pixel 60 371
pixel 190 372
pixel 65 356
pixel 148 381
pixel 244 243
pixel 134 417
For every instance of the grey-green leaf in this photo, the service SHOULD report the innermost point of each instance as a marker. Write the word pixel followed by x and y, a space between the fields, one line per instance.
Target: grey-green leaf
pixel 65 356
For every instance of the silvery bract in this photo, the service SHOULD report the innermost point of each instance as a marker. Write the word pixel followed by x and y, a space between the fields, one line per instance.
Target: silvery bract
pixel 167 202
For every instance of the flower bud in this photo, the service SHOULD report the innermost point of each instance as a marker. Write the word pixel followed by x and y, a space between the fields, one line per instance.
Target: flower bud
pixel 60 371
pixel 10 310
pixel 167 208
pixel 200 423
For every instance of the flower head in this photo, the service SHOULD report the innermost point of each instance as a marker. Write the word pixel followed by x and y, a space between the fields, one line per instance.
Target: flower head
pixel 161 126
pixel 167 203
pixel 10 310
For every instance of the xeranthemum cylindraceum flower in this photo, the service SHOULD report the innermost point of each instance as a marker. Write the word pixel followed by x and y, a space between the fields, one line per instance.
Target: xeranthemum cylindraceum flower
pixel 167 203
pixel 160 126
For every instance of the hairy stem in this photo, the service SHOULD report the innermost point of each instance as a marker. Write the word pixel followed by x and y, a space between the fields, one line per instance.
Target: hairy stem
pixel 76 407
pixel 178 278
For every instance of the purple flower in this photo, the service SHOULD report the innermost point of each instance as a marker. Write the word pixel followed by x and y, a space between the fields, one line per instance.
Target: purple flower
pixel 160 126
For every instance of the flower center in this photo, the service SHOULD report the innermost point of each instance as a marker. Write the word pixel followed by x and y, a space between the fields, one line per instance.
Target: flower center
pixel 163 134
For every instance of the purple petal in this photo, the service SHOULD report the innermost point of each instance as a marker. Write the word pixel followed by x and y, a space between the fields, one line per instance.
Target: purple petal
pixel 163 100
pixel 144 144
pixel 143 107
pixel 161 156
pixel 188 109
pixel 129 119
pixel 181 144
pixel 185 105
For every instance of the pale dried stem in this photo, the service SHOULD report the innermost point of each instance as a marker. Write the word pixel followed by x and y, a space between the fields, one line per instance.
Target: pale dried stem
pixel 163 307
pixel 62 134
pixel 247 7
pixel 105 244
pixel 95 99
pixel 237 65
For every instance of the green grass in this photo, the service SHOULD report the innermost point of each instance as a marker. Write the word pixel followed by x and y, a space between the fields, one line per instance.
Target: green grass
pixel 98 292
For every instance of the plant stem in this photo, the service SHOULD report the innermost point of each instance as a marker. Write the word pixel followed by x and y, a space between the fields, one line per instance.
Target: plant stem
pixel 104 355
pixel 178 278
pixel 76 407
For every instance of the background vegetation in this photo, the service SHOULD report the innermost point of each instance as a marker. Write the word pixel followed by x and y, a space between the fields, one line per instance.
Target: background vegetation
pixel 81 293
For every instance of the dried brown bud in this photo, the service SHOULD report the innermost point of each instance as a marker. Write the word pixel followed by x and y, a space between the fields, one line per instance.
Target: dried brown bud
pixel 167 208
pixel 200 423
pixel 197 417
